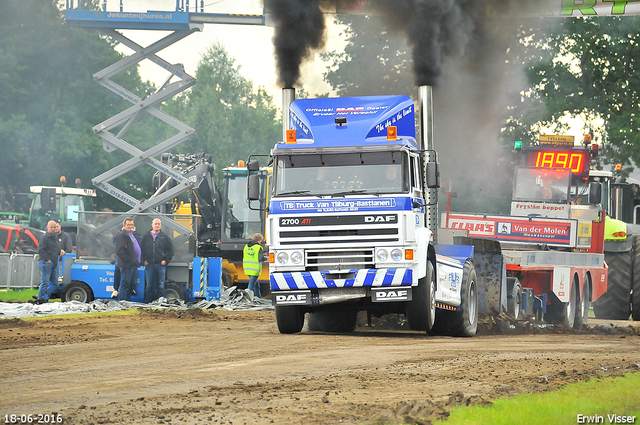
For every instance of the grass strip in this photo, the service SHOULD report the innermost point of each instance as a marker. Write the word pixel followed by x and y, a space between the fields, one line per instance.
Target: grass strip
pixel 599 400
pixel 12 295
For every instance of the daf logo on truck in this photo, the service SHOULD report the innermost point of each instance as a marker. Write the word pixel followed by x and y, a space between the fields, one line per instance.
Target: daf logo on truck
pixel 390 295
pixel 293 298
pixel 380 218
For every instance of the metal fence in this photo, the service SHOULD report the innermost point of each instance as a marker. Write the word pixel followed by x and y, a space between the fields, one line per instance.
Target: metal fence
pixel 19 271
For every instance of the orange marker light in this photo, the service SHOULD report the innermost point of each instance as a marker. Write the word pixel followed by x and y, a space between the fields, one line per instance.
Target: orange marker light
pixel 272 258
pixel 291 136
pixel 408 254
pixel 618 167
pixel 392 132
pixel 240 163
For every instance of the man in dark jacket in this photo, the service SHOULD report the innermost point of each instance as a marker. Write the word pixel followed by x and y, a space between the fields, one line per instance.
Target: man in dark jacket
pixel 49 252
pixel 128 253
pixel 64 240
pixel 157 251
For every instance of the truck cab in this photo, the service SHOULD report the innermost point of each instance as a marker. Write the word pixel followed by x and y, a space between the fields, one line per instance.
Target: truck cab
pixel 347 226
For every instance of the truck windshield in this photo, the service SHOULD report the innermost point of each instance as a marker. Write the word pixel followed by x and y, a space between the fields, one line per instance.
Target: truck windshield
pixel 328 174
pixel 535 184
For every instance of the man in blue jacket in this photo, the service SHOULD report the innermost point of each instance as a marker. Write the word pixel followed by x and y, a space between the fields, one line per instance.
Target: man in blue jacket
pixel 49 252
pixel 157 251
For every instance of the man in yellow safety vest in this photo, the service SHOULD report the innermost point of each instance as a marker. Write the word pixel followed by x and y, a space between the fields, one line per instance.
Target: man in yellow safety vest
pixel 252 258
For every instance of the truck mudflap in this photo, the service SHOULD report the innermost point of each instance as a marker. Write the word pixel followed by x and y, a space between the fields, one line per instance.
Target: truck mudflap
pixel 358 278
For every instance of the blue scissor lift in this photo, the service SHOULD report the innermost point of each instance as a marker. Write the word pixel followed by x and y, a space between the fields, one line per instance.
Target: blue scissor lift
pixel 181 22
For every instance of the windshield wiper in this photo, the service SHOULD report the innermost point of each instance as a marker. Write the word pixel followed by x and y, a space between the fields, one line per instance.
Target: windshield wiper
pixel 351 192
pixel 294 192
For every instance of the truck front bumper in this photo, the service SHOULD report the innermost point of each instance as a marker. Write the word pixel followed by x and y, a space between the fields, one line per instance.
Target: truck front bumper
pixel 355 279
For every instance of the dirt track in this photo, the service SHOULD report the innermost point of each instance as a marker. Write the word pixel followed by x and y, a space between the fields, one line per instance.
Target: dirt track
pixel 221 367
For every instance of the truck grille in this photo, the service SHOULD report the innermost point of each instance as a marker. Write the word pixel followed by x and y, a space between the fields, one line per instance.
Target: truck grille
pixel 339 236
pixel 339 259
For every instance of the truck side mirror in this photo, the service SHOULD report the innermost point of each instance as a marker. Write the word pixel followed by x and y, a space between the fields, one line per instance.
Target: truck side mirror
pixel 253 165
pixel 595 193
pixel 253 187
pixel 432 175
pixel 48 199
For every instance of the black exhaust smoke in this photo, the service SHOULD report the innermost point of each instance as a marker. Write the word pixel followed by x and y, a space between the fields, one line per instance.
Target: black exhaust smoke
pixel 435 29
pixel 299 28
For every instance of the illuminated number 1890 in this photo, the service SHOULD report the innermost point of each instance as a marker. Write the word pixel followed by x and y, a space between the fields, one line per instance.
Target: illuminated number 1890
pixel 575 161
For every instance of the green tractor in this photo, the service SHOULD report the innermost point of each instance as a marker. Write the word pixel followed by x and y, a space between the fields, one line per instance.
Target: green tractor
pixel 621 199
pixel 49 203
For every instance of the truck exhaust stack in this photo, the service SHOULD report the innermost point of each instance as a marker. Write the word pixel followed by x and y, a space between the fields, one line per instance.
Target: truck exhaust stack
pixel 425 99
pixel 288 96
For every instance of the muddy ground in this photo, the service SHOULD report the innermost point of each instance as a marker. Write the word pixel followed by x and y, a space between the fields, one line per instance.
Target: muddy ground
pixel 235 368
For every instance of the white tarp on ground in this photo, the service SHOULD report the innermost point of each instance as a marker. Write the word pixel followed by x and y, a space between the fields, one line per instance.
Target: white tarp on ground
pixel 231 299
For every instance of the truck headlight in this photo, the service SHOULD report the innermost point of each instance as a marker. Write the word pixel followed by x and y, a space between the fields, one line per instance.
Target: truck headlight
pixel 296 257
pixel 282 257
pixel 396 254
pixel 382 255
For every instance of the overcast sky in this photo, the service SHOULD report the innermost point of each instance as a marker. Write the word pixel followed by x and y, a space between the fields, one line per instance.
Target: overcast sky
pixel 251 46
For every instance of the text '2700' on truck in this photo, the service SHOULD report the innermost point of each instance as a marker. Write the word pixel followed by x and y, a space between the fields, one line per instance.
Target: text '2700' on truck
pixel 352 219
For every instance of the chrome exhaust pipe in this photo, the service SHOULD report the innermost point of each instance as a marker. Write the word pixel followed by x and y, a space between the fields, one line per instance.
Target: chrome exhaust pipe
pixel 425 98
pixel 288 96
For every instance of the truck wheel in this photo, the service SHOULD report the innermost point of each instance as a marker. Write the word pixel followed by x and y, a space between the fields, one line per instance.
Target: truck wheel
pixel 614 304
pixel 582 313
pixel 463 322
pixel 421 310
pixel 514 297
pixel 290 319
pixel 332 321
pixel 173 290
pixel 77 291
pixel 565 313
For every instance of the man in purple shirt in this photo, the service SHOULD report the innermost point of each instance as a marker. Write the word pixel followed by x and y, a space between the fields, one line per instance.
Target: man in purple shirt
pixel 128 252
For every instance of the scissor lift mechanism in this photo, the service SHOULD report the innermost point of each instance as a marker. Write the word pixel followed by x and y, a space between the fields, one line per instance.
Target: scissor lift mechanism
pixel 183 23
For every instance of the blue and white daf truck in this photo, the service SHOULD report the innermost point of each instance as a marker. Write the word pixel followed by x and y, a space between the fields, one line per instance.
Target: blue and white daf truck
pixel 350 224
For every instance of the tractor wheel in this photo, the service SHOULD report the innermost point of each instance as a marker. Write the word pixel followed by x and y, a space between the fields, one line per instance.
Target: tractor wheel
pixel 615 303
pixel 514 297
pixel 173 290
pixel 421 310
pixel 77 291
pixel 332 321
pixel 635 284
pixel 290 319
pixel 582 313
pixel 463 322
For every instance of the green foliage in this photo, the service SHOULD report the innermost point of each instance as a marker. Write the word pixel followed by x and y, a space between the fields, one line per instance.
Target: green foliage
pixel 597 397
pixel 587 67
pixel 231 119
pixel 49 101
pixel 372 47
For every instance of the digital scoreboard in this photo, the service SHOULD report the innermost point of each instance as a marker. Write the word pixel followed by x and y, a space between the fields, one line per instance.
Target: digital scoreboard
pixel 575 160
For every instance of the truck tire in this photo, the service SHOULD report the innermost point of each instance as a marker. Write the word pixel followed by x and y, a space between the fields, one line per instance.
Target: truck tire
pixel 332 321
pixel 290 319
pixel 463 322
pixel 421 310
pixel 565 313
pixel 173 290
pixel 615 303
pixel 514 297
pixel 582 312
pixel 77 291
